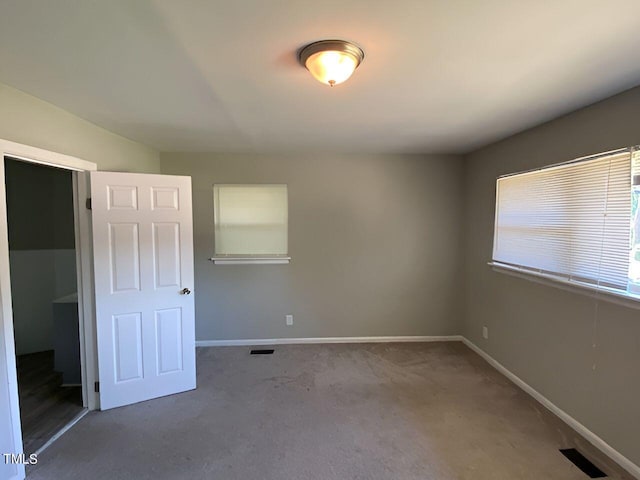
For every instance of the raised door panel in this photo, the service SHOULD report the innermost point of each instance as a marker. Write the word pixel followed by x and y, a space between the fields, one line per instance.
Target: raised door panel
pixel 169 340
pixel 122 197
pixel 166 254
pixel 124 251
pixel 127 340
pixel 165 198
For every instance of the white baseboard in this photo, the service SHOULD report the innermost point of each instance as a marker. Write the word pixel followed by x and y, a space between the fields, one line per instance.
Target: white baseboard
pixel 300 341
pixel 594 439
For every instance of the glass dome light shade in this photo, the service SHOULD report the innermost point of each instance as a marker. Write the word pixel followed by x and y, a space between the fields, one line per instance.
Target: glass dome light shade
pixel 331 61
pixel 331 67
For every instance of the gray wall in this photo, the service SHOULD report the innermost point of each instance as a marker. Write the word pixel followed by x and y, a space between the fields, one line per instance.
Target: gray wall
pixel 374 242
pixel 543 334
pixel 31 121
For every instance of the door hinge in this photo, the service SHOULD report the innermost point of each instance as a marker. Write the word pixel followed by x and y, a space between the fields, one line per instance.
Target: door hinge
pixel 96 387
pixel 88 204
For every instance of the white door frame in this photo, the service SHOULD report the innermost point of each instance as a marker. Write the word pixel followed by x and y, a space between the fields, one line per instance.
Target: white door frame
pixel 86 310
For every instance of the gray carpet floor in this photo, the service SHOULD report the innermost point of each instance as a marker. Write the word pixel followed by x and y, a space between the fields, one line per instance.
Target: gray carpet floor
pixel 365 411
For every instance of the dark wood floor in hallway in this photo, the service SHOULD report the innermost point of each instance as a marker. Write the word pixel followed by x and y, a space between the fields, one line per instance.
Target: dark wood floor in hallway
pixel 45 405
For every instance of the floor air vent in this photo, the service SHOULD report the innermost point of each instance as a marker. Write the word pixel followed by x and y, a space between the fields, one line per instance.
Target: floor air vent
pixel 263 351
pixel 582 463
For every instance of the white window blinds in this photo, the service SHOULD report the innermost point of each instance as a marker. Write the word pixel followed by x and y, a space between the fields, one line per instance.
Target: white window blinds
pixel 250 219
pixel 571 220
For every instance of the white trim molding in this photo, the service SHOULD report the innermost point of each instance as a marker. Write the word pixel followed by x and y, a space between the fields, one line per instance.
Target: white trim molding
pixel 44 157
pixel 309 340
pixel 591 437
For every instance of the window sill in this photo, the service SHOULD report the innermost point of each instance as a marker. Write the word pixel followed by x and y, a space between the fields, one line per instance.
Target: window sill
pixel 250 260
pixel 599 293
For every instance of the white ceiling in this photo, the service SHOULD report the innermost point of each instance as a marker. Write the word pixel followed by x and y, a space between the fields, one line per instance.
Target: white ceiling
pixel 222 75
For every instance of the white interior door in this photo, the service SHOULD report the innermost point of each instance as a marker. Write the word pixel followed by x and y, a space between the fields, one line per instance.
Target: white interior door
pixel 143 265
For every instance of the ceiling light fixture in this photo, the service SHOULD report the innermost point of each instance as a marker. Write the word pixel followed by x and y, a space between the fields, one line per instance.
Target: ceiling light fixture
pixel 331 61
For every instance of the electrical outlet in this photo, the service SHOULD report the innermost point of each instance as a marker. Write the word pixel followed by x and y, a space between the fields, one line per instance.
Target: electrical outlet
pixel 289 319
pixel 485 332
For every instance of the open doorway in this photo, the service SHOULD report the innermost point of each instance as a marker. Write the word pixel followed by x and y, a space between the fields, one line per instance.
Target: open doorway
pixel 110 258
pixel 42 257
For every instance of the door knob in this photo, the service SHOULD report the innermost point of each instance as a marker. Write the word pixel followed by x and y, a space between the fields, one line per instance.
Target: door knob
pixel 185 291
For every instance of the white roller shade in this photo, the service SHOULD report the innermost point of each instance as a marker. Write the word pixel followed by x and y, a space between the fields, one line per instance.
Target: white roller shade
pixel 250 219
pixel 570 220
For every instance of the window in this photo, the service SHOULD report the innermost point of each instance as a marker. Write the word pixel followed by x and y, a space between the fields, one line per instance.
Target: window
pixel 576 222
pixel 251 224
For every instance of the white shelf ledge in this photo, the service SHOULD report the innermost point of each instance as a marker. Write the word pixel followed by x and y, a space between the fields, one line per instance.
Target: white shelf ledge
pixel 250 260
